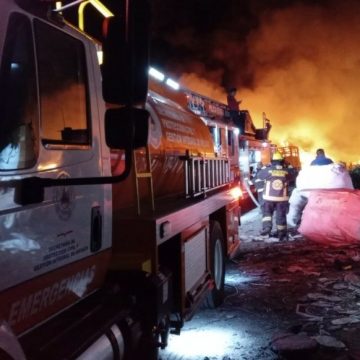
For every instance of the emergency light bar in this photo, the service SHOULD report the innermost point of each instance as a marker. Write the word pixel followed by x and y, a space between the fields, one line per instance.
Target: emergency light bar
pixel 173 84
pixel 156 74
pixel 161 77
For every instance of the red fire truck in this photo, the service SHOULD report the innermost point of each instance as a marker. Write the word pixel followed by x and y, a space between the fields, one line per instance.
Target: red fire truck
pixel 116 213
pixel 246 147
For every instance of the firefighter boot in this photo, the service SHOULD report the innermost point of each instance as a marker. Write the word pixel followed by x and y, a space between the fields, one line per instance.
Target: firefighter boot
pixel 265 232
pixel 283 236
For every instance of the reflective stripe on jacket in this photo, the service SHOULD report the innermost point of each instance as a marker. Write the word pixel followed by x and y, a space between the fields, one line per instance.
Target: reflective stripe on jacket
pixel 276 183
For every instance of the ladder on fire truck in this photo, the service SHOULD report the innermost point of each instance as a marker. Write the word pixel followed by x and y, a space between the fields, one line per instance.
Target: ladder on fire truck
pixel 201 175
pixel 205 174
pixel 147 174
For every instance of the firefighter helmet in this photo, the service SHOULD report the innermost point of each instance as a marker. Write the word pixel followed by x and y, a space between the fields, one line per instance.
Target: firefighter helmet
pixel 277 156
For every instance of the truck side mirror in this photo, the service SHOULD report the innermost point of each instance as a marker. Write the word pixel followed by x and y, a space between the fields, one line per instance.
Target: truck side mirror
pixel 126 128
pixel 126 54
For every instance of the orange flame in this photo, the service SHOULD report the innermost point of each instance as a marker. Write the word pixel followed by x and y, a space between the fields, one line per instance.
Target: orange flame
pixel 304 61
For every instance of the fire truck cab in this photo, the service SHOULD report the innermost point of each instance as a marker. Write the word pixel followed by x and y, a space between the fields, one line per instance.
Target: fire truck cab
pixel 116 213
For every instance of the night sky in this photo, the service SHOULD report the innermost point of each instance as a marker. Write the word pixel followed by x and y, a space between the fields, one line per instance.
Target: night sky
pixel 207 36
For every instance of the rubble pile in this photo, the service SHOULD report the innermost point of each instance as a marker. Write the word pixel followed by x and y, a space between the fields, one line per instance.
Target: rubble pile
pixel 310 291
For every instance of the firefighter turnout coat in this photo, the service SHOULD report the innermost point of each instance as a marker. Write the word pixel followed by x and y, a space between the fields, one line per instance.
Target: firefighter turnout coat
pixel 275 197
pixel 276 179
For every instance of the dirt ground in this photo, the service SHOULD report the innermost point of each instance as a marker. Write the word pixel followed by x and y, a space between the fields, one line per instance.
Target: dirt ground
pixel 292 300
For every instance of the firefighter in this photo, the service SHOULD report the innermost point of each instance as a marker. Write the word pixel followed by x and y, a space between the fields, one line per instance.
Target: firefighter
pixel 275 195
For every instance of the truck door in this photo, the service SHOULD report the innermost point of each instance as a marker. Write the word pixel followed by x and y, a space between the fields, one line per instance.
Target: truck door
pixel 49 127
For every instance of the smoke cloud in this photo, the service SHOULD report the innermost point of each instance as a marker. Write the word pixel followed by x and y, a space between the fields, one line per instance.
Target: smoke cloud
pixel 300 64
pixel 305 61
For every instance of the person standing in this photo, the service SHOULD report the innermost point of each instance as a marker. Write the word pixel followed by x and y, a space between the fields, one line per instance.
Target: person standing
pixel 321 159
pixel 275 196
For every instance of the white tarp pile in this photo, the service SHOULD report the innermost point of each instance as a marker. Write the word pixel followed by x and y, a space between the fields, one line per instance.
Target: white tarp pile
pixel 327 205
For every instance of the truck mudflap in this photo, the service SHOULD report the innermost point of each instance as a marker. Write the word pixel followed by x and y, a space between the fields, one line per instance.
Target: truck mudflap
pixel 128 321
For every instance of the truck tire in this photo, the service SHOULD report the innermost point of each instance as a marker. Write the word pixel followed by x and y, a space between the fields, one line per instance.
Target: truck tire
pixel 217 266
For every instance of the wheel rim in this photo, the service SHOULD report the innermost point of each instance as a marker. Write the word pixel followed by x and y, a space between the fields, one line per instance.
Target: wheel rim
pixel 218 264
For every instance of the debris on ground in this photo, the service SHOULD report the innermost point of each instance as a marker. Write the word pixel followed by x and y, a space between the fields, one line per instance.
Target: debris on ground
pixel 318 286
pixel 286 300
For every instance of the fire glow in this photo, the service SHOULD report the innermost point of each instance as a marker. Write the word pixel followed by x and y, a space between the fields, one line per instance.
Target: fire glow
pixel 303 60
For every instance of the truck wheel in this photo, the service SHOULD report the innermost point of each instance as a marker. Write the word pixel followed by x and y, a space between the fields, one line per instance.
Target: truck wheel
pixel 217 266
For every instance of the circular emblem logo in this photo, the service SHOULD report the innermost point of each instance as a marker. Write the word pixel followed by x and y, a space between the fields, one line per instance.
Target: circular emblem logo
pixel 277 185
pixel 64 199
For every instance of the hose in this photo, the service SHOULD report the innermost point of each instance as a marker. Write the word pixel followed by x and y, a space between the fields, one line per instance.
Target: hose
pixel 247 187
